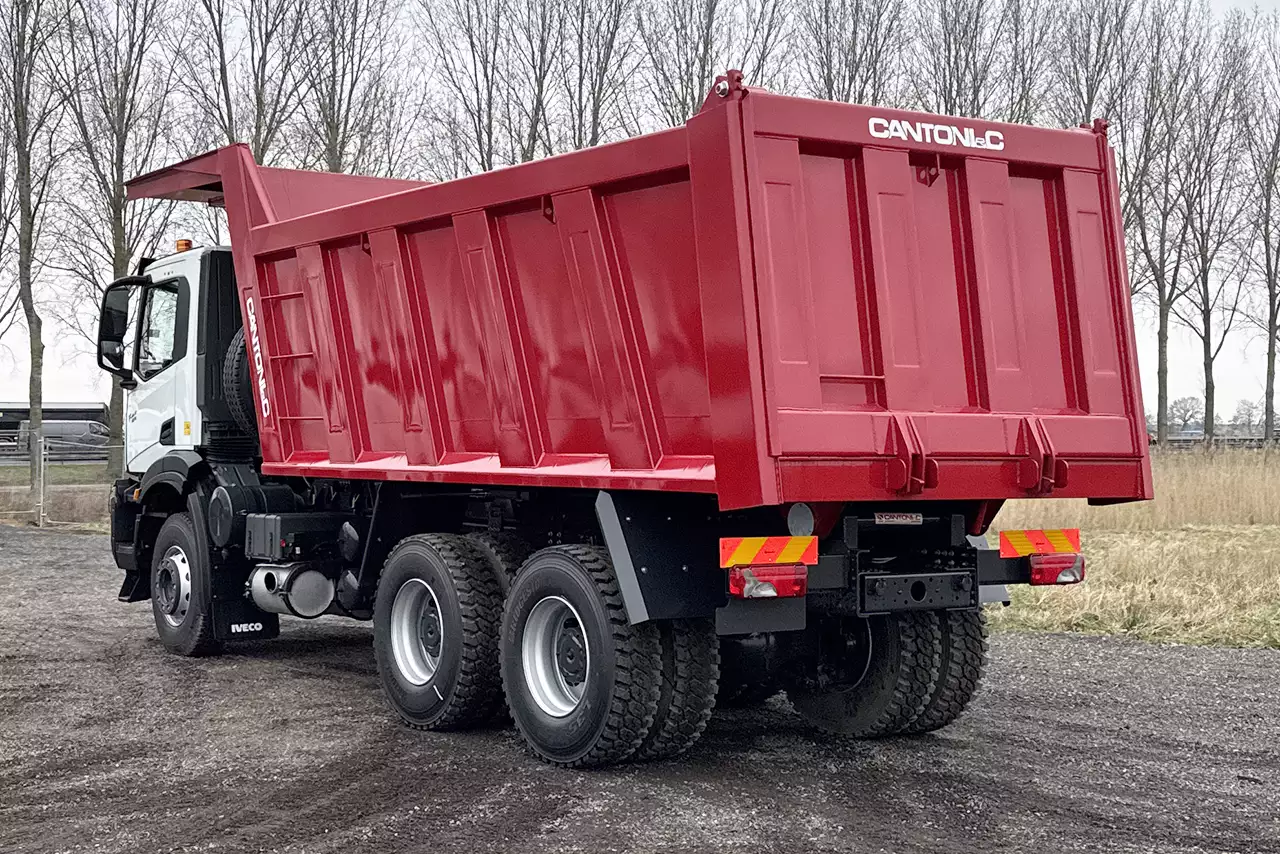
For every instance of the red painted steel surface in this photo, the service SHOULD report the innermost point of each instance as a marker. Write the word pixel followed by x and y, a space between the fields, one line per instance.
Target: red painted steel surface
pixel 770 303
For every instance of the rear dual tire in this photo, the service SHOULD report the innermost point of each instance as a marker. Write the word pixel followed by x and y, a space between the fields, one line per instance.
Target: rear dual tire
pixel 583 683
pixel 898 674
pixel 435 633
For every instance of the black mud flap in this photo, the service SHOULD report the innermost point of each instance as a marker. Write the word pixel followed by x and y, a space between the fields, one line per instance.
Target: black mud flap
pixel 663 548
pixel 242 620
pixel 747 616
pixel 235 617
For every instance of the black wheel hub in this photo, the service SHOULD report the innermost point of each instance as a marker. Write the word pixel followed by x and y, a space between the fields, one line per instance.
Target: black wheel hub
pixel 167 587
pixel 844 652
pixel 429 630
pixel 571 655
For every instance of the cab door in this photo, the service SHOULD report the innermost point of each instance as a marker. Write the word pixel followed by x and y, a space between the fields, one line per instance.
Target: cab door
pixel 149 412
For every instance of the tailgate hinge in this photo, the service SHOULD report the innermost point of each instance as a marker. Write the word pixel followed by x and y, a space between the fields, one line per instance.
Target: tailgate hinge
pixel 911 471
pixel 1041 471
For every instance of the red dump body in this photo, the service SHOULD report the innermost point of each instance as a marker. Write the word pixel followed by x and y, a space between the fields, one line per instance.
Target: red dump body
pixel 784 300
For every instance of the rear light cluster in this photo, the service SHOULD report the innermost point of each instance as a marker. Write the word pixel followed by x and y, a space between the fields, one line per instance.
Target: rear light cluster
pixel 1057 569
pixel 768 582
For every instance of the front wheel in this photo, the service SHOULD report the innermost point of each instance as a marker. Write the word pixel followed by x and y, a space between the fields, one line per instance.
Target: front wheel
pixel 581 681
pixel 179 589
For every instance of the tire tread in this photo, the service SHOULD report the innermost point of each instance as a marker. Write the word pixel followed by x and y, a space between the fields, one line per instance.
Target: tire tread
pixel 638 662
pixel 239 399
pixel 963 656
pixel 477 694
pixel 201 641
pixel 690 680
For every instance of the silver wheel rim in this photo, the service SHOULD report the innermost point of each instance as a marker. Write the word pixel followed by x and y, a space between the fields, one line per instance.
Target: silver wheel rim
pixel 173 586
pixel 556 656
pixel 417 632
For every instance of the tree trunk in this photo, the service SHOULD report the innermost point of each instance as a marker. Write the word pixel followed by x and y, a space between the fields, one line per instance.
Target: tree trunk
pixel 1269 397
pixel 1162 374
pixel 116 457
pixel 1208 389
pixel 35 332
pixel 115 421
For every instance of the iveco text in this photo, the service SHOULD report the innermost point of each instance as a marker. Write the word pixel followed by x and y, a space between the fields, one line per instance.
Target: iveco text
pixel 940 134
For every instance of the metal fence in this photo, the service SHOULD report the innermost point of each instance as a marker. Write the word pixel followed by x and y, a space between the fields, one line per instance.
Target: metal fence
pixel 71 479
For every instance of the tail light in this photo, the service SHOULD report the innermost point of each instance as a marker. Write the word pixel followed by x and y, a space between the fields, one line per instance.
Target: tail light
pixel 768 582
pixel 1057 569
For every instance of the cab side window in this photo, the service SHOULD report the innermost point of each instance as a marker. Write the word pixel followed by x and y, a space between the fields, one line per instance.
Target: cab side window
pixel 159 331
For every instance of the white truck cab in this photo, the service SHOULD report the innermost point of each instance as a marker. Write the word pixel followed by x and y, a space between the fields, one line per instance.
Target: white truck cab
pixel 160 414
pixel 175 311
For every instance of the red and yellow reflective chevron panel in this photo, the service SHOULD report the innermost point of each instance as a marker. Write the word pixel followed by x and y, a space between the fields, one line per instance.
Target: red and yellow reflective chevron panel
pixel 1023 543
pixel 756 551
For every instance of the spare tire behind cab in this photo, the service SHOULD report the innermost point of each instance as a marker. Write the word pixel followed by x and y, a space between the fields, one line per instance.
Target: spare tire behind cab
pixel 237 384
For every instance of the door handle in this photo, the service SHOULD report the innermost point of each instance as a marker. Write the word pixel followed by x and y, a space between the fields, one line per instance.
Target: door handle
pixel 133 416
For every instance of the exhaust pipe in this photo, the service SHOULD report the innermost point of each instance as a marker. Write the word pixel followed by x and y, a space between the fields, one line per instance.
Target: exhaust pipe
pixel 291 588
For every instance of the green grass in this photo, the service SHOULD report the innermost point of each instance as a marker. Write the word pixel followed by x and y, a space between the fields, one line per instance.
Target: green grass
pixel 60 474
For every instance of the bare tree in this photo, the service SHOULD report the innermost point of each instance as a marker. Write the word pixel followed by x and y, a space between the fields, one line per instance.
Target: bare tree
pixel 1089 64
pixel 537 30
pixel 469 41
pixel 1210 162
pixel 688 42
pixel 760 36
pixel 1149 137
pixel 34 109
pixel 1261 122
pixel 1246 417
pixel 599 38
pixel 1025 69
pixel 847 50
pixel 10 304
pixel 243 69
pixel 957 56
pixel 682 41
pixel 116 80
pixel 352 56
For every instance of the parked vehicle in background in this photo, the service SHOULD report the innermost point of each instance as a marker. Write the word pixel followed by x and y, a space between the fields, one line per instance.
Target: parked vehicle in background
pixel 65 440
pixel 719 410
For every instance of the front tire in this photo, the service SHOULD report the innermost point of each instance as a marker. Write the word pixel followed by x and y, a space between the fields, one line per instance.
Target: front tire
pixel 581 681
pixel 179 589
pixel 435 633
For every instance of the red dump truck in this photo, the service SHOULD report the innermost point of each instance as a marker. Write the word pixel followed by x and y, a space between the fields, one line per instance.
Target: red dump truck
pixel 719 411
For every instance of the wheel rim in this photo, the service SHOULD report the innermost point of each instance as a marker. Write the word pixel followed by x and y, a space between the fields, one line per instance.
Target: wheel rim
pixel 556 656
pixel 173 586
pixel 417 631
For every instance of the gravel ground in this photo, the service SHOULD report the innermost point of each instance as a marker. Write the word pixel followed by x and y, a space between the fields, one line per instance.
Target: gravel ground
pixel 108 744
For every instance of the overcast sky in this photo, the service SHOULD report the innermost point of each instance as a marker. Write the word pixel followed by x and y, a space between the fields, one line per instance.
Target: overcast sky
pixel 72 375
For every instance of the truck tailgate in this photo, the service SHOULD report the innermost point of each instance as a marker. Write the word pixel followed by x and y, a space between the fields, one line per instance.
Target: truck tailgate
pixel 943 292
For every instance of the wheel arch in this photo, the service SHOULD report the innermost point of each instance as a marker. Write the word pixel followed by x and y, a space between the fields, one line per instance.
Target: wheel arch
pixel 166 482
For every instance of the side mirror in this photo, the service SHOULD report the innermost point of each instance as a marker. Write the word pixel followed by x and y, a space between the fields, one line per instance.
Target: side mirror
pixel 113 326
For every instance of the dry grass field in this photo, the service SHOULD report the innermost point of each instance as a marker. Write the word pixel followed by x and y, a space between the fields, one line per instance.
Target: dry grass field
pixel 1199 564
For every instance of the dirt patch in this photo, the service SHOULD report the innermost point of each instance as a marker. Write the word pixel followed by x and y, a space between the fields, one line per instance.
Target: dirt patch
pixel 1076 744
pixel 82 504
